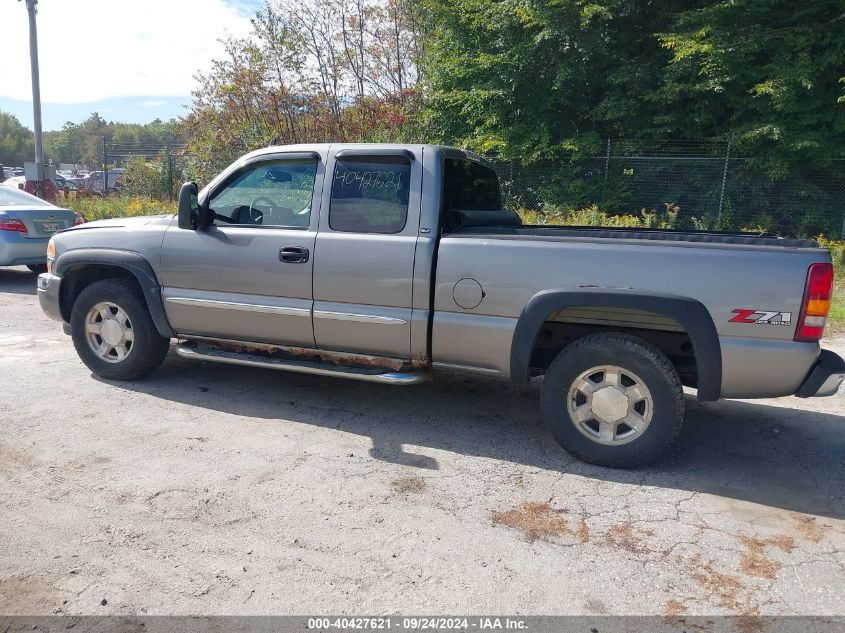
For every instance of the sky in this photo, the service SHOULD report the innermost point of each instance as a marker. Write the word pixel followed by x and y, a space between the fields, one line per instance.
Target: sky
pixel 132 61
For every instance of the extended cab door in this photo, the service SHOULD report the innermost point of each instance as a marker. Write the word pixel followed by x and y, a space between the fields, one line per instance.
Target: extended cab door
pixel 364 259
pixel 248 276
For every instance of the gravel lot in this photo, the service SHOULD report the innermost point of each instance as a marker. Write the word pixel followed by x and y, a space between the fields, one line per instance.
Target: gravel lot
pixel 228 490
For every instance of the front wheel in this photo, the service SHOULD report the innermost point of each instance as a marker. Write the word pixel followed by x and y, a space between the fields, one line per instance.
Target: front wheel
pixel 113 332
pixel 613 399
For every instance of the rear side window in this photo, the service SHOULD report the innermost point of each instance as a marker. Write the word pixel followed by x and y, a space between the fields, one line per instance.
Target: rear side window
pixel 370 195
pixel 470 186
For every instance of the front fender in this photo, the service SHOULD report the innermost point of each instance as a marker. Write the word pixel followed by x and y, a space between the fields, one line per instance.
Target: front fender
pixel 689 313
pixel 131 262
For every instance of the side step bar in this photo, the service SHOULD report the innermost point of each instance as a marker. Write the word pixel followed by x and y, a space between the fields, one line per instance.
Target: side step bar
pixel 370 374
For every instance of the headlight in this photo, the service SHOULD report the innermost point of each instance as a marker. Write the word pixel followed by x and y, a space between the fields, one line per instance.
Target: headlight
pixel 51 254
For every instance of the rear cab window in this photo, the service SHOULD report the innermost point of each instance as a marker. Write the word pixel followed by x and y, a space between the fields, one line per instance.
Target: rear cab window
pixel 471 186
pixel 370 194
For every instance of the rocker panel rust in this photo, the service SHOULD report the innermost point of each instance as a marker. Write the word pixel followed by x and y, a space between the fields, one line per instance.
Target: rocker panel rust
pixel 315 355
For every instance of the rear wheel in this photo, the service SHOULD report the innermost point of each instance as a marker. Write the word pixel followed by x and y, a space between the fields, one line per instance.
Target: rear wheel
pixel 113 332
pixel 37 268
pixel 613 400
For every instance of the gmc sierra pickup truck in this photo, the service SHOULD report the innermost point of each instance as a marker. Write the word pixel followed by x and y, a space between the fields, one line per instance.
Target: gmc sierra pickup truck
pixel 386 262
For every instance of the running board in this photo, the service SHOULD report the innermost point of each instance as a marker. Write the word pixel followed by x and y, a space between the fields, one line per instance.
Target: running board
pixel 370 374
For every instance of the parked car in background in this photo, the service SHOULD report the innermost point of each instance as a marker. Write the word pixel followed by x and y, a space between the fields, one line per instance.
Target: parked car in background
pixel 16 182
pixel 94 181
pixel 71 184
pixel 26 224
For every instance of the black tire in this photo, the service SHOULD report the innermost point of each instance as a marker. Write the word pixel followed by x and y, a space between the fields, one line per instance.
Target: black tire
pixel 148 347
pixel 634 355
pixel 37 268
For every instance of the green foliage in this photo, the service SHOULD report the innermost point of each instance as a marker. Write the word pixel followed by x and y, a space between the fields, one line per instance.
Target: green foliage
pixel 16 142
pixel 836 318
pixel 93 208
pixel 545 79
pixel 766 72
pixel 537 80
pixel 151 178
pixel 83 142
pixel 541 79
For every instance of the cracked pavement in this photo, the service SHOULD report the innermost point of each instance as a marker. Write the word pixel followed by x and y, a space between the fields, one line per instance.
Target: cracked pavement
pixel 229 490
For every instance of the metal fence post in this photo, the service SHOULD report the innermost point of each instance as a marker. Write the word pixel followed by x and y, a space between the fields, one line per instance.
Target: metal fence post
pixel 105 170
pixel 607 159
pixel 724 179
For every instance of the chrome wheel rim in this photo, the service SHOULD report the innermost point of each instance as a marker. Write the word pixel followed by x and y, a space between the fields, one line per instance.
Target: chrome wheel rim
pixel 610 405
pixel 108 331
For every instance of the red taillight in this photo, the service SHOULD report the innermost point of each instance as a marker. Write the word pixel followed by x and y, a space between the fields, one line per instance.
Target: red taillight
pixel 7 224
pixel 77 221
pixel 816 303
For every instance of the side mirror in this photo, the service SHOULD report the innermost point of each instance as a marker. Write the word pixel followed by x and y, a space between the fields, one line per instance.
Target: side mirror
pixel 188 206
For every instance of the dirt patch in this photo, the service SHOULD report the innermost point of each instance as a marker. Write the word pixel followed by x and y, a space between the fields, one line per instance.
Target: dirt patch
pixel 537 520
pixel 626 536
pixel 408 485
pixel 808 528
pixel 721 588
pixel 673 608
pixel 755 562
pixel 583 532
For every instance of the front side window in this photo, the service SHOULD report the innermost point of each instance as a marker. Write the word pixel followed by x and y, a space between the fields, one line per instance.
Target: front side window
pixel 370 195
pixel 272 193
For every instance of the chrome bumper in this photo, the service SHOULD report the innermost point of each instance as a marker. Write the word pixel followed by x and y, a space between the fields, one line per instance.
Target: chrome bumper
pixel 48 295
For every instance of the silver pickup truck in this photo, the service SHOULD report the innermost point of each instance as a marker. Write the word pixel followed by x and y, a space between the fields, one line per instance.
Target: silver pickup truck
pixel 386 262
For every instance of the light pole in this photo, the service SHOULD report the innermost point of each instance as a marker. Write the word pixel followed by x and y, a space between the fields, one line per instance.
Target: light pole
pixel 36 96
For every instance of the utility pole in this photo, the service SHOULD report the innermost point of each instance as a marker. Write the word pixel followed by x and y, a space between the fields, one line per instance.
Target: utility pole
pixel 36 97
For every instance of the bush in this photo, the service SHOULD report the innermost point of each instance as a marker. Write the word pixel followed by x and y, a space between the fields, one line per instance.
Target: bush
pixel 98 208
pixel 151 178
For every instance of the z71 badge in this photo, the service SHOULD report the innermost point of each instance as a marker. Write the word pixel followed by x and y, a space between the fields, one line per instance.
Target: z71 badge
pixel 761 317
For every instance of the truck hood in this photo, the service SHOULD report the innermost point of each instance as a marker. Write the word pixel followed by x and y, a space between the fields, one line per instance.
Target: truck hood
pixel 129 223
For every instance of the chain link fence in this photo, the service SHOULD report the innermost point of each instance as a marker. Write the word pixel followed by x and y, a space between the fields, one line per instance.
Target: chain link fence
pixel 699 185
pixel 148 170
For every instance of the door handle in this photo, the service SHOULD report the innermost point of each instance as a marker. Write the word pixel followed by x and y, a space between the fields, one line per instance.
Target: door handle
pixel 293 254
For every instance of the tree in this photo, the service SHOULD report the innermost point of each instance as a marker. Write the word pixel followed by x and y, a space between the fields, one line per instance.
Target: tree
pixel 767 73
pixel 533 79
pixel 536 79
pixel 17 144
pixel 334 70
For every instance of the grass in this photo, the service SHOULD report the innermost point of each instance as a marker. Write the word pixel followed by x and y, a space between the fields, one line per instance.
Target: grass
pixel 836 317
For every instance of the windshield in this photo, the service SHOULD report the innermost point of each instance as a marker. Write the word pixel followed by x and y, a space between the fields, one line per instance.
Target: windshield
pixel 13 197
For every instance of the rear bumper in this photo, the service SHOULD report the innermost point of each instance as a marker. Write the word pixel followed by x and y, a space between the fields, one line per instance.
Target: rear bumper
pixel 17 250
pixel 48 295
pixel 825 378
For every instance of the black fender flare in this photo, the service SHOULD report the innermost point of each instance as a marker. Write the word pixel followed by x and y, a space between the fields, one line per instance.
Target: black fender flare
pixel 689 313
pixel 129 261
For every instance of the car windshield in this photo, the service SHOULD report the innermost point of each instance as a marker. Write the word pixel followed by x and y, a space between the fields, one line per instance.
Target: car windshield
pixel 12 197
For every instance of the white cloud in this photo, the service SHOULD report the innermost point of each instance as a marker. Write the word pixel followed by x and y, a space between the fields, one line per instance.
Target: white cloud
pixel 96 49
pixel 153 103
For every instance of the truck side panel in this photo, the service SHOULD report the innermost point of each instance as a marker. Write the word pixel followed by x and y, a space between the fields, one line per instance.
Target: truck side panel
pixel 724 279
